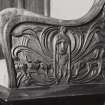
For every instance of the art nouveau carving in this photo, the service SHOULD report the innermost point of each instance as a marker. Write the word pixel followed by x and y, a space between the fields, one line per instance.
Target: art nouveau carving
pixel 47 55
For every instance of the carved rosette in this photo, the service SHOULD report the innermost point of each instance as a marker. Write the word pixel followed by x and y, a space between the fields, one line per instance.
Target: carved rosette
pixel 47 55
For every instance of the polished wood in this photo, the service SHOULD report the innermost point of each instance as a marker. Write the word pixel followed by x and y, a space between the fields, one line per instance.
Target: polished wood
pixel 34 94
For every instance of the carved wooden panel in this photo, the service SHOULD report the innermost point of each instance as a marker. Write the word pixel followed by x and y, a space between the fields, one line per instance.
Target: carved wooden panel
pixel 49 55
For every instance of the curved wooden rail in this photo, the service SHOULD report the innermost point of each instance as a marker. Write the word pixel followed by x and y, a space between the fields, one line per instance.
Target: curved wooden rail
pixel 93 12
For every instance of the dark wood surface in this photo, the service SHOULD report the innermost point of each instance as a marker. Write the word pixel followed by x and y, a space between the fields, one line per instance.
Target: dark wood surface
pixel 83 100
pixel 7 4
pixel 36 6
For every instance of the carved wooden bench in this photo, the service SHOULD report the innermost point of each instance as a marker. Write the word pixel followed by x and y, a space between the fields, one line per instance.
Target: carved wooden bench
pixel 47 57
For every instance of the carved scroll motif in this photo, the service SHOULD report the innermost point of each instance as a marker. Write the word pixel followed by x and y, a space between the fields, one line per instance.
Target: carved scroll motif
pixel 46 55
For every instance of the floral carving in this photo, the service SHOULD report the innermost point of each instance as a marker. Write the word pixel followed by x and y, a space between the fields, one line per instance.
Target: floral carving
pixel 46 55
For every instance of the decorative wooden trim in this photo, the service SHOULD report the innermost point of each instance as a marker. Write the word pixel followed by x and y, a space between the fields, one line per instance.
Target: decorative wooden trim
pixel 50 55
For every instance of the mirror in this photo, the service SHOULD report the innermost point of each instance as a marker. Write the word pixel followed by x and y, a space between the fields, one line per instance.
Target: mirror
pixel 70 9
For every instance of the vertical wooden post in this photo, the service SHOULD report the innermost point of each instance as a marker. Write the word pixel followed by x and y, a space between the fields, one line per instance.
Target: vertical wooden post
pixel 21 3
pixel 47 7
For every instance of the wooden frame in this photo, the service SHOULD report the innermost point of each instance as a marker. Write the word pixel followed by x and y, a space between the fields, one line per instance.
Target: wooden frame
pixel 82 57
